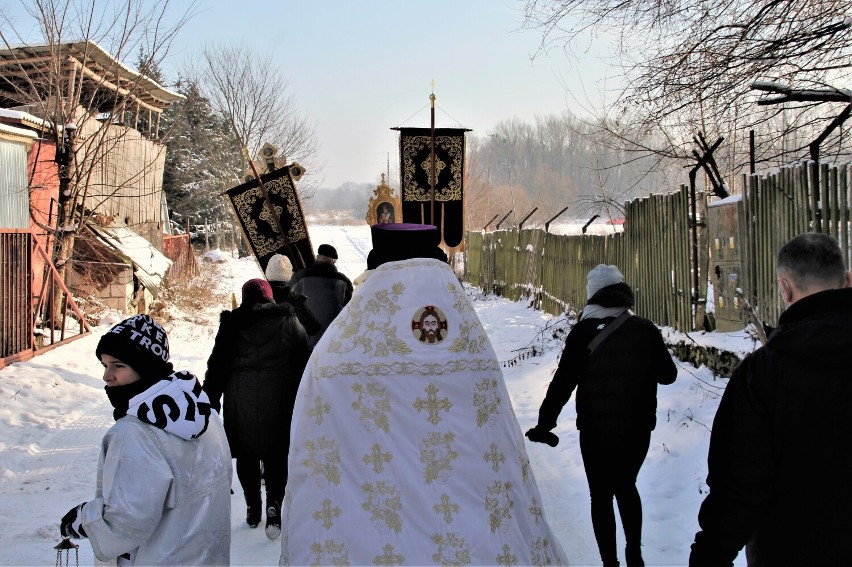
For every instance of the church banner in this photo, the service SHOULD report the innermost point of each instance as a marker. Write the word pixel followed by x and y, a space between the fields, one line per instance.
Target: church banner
pixel 415 146
pixel 259 226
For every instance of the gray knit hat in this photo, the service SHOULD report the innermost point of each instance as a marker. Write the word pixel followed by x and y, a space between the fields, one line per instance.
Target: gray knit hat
pixel 279 269
pixel 602 276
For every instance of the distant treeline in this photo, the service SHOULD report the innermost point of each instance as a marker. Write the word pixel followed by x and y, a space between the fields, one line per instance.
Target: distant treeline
pixel 557 162
pixel 552 163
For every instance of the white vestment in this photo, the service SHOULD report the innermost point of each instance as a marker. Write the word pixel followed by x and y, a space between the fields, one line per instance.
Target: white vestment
pixel 405 451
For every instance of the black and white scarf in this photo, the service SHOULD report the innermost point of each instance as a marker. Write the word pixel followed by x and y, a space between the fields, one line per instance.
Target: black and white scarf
pixel 176 404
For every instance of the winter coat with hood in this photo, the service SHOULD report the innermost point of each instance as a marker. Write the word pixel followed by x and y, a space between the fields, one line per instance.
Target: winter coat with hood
pixel 164 481
pixel 780 458
pixel 258 358
pixel 617 384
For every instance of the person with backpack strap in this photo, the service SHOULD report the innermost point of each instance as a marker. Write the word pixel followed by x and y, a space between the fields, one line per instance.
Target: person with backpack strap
pixel 614 360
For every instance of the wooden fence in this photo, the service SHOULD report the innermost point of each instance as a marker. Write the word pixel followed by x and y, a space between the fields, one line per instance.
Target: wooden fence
pixel 777 207
pixel 655 250
pixel 178 249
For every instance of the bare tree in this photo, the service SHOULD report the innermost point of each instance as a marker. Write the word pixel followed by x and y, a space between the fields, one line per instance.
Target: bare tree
pixel 252 93
pixel 62 62
pixel 690 66
pixel 561 161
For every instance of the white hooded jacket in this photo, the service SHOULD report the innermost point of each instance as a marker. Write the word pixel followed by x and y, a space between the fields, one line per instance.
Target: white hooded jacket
pixel 164 478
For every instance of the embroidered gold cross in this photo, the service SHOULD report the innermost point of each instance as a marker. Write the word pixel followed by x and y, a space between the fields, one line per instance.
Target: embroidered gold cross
pixel 327 514
pixel 319 410
pixel 446 508
pixel 388 557
pixel 377 458
pixel 495 457
pixel 433 404
pixel 507 558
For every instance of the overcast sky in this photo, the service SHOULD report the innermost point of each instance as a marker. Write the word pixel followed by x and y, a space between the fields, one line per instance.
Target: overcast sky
pixel 359 68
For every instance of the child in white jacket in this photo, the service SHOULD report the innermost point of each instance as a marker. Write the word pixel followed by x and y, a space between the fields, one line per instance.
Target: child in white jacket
pixel 164 473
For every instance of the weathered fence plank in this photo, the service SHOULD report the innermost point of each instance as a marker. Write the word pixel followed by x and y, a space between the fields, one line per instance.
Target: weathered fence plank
pixel 654 251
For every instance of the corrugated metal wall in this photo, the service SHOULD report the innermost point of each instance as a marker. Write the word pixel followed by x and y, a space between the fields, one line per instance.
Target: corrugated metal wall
pixel 16 329
pixel 126 176
pixel 14 190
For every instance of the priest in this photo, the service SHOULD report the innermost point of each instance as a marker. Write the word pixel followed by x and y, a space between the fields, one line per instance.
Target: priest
pixel 405 448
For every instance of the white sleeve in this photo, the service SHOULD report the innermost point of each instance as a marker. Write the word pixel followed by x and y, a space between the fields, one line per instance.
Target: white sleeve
pixel 134 480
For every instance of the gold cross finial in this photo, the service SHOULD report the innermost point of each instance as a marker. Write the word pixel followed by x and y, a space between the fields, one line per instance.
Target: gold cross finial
pixel 432 96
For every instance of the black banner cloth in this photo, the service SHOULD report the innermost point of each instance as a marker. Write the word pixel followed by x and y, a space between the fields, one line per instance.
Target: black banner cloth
pixel 259 227
pixel 415 146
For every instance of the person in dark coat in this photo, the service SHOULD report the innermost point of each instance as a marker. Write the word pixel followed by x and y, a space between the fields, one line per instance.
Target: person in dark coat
pixel 328 291
pixel 278 273
pixel 780 458
pixel 258 357
pixel 616 405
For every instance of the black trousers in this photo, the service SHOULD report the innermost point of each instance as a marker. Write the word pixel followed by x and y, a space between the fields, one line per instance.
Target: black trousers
pixel 274 474
pixel 612 461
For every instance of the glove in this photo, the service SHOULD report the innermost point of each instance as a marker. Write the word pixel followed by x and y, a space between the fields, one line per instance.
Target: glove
pixel 71 524
pixel 539 435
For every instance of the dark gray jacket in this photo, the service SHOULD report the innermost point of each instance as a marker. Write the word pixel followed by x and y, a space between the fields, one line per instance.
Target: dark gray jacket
pixel 617 384
pixel 327 290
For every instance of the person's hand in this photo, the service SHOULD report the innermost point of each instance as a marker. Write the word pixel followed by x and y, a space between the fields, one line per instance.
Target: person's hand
pixel 540 435
pixel 71 524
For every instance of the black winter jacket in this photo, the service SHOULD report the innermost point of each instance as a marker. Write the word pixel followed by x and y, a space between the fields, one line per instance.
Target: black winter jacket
pixel 617 384
pixel 282 293
pixel 257 362
pixel 327 290
pixel 780 459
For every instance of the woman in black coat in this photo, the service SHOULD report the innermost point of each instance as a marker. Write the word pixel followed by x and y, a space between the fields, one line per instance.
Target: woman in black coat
pixel 257 362
pixel 616 402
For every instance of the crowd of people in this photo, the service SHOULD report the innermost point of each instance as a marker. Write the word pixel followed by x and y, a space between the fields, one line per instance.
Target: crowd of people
pixel 380 428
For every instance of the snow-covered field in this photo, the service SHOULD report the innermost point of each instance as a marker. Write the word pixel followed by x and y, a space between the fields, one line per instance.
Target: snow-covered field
pixel 53 413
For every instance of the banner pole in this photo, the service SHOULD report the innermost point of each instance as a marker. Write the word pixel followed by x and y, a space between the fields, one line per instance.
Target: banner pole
pixel 432 161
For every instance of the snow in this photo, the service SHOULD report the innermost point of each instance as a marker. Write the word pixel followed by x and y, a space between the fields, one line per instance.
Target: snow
pixel 726 201
pixel 53 413
pixel 23 132
pixel 772 86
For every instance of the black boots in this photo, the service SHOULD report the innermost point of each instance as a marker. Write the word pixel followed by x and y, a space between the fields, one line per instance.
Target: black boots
pixel 273 519
pixel 254 509
pixel 633 556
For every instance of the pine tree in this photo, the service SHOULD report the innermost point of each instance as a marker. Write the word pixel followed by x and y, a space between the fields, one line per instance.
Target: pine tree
pixel 202 161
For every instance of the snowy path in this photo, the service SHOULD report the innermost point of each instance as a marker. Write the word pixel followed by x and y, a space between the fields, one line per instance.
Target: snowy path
pixel 53 413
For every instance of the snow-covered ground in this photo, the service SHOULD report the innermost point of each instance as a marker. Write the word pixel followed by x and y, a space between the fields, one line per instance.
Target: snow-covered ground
pixel 53 413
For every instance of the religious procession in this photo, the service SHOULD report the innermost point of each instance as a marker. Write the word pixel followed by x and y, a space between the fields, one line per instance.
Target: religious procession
pixel 565 339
